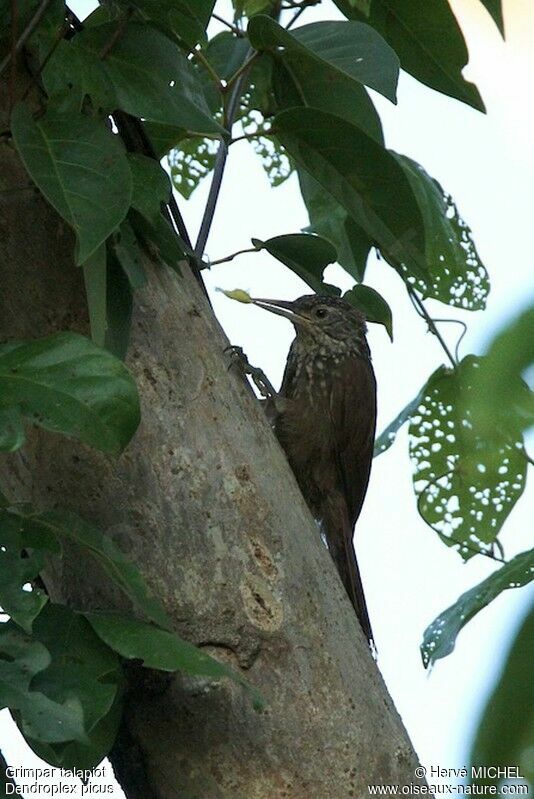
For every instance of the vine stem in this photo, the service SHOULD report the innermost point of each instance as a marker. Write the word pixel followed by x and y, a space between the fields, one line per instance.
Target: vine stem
pixel 418 303
pixel 232 256
pixel 233 28
pixel 26 33
pixel 220 164
pixel 201 58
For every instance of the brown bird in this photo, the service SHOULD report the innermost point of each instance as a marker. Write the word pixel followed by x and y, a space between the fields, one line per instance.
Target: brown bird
pixel 325 421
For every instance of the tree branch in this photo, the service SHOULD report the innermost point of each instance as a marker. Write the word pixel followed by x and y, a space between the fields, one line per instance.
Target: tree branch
pixel 26 33
pixel 220 165
pixel 423 313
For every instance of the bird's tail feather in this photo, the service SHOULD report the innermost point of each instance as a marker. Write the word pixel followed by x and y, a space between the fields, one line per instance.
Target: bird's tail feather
pixel 339 534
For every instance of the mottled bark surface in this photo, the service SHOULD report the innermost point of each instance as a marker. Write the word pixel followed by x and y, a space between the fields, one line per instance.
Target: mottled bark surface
pixel 204 502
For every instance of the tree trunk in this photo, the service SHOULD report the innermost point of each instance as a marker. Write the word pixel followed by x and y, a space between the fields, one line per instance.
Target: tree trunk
pixel 204 502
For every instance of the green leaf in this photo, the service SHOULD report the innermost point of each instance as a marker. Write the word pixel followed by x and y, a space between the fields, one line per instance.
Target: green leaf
pixel 456 275
pixel 82 667
pixel 494 7
pixel 498 382
pixel 66 384
pixel 151 186
pixel 363 177
pixel 151 77
pixel 81 169
pixel 466 482
pixel 440 637
pixel 95 279
pixel 353 49
pixel 372 304
pixel 505 731
pixel 76 755
pixel 307 256
pixel 186 19
pixel 66 525
pixel 226 53
pixel 127 250
pixel 21 659
pixel 161 241
pixel 72 74
pixel 330 220
pixel 427 40
pixel 11 430
pixel 119 305
pixel 388 436
pixel 158 649
pixel 163 137
pixel 300 81
pixel 18 567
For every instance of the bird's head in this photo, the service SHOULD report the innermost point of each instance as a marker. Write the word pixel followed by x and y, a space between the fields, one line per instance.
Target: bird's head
pixel 323 319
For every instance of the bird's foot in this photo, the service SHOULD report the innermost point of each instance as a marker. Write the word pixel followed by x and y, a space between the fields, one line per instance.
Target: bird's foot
pixel 259 378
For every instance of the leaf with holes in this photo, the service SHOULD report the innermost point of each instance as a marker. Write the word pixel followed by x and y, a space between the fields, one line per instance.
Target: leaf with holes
pixel 427 39
pixel 466 483
pixel 190 162
pixel 66 384
pixel 363 177
pixel 388 436
pixel 82 667
pixel 307 256
pixel 80 167
pixel 352 49
pixel 18 568
pixel 21 660
pixel 372 305
pixel 456 275
pixel 440 636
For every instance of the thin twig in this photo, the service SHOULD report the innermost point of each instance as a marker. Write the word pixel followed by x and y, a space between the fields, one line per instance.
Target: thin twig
pixel 233 28
pixel 26 33
pixel 423 313
pixel 295 17
pixel 251 136
pixel 232 256
pixel 220 164
pixel 245 66
pixel 59 38
pixel 201 58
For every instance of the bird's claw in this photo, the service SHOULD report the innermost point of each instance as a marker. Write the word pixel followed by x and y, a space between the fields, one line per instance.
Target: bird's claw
pixel 257 375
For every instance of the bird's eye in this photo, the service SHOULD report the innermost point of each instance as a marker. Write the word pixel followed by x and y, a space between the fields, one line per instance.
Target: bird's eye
pixel 321 313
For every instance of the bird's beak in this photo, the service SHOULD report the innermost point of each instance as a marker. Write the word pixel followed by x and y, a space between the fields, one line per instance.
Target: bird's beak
pixel 282 308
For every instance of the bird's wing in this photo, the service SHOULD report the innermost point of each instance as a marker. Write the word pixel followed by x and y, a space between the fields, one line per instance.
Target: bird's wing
pixel 353 412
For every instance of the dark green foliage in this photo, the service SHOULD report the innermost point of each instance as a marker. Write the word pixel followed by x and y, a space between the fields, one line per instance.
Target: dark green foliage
pixel 302 100
pixel 429 42
pixel 505 731
pixel 66 384
pixel 467 481
pixel 440 636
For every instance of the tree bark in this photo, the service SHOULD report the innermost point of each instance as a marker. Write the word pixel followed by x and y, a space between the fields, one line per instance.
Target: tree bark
pixel 205 504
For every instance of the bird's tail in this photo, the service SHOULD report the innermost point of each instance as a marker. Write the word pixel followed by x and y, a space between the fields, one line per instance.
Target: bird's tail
pixel 339 532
